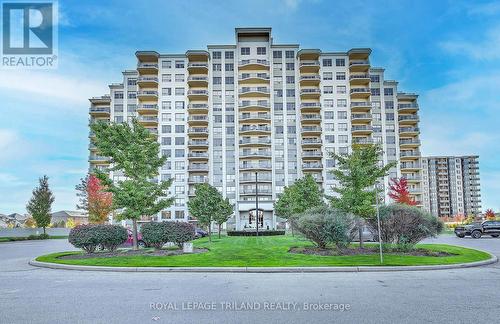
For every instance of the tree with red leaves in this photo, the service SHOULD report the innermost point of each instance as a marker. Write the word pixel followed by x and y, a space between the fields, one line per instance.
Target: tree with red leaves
pixel 94 199
pixel 399 192
pixel 489 214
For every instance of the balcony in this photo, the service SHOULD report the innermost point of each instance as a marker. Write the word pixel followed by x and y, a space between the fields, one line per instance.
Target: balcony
pixel 309 79
pixel 153 131
pixel 198 155
pixel 147 95
pixel 254 105
pixel 198 143
pixel 197 94
pixel 359 65
pixel 255 154
pixel 198 131
pixel 201 167
pixel 409 108
pixel 249 78
pixel 147 120
pixel 311 142
pixel 252 191
pixel 361 130
pixel 363 118
pixel 310 93
pixel 413 178
pixel 409 154
pixel 361 106
pixel 197 81
pixel 312 166
pixel 409 131
pixel 255 141
pixel 198 120
pixel 97 111
pixel 254 92
pixel 253 64
pixel 97 159
pixel 312 154
pixel 147 68
pixel 309 66
pixel 408 119
pixel 197 67
pixel 254 129
pixel 147 109
pixel 257 117
pixel 310 118
pixel 362 141
pixel 251 178
pixel 409 143
pixel 92 147
pixel 410 166
pixel 198 108
pixel 197 179
pixel 359 79
pixel 147 81
pixel 360 93
pixel 311 130
pixel 310 106
pixel 256 166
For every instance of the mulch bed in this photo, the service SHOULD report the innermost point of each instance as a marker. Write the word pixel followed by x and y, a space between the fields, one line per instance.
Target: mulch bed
pixel 122 253
pixel 364 251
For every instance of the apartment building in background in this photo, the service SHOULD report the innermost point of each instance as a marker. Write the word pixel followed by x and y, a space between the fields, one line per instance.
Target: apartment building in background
pixel 451 185
pixel 223 114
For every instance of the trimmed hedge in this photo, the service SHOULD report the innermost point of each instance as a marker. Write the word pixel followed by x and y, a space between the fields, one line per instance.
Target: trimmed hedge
pixel 156 234
pixel 88 237
pixel 254 233
pixel 25 238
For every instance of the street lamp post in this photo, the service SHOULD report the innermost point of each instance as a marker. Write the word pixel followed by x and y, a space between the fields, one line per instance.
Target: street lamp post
pixel 257 204
pixel 378 224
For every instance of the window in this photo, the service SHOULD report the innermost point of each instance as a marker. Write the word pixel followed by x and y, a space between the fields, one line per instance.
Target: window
pixel 375 91
pixel 166 105
pixel 179 91
pixel 166 129
pixel 179 105
pixel 343 139
pixel 328 89
pixel 329 115
pixel 166 91
pixel 327 76
pixel 179 78
pixel 330 139
pixel 179 64
pixel 166 64
pixel 179 214
pixel 118 119
pixel 229 67
pixel 179 129
pixel 329 127
pixel 216 55
pixel 261 51
pixel 340 76
pixel 132 82
pixel 118 108
pixel 245 51
pixel 277 54
pixel 179 141
pixel 290 66
pixel 217 80
pixel 327 62
pixel 166 117
pixel 375 78
pixel 340 62
pixel 290 92
pixel 119 95
pixel 342 115
pixel 229 55
pixel 229 80
pixel 329 103
pixel 166 141
pixel 389 104
pixel 290 79
pixel 289 54
pixel 389 116
pixel 342 127
pixel 342 103
pixel 166 77
pixel 217 67
pixel 132 95
pixel 388 92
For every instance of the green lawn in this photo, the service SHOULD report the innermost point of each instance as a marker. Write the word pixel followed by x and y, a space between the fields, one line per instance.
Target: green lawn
pixel 270 251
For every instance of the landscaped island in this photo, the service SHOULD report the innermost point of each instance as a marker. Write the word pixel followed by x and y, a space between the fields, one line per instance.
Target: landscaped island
pixel 271 251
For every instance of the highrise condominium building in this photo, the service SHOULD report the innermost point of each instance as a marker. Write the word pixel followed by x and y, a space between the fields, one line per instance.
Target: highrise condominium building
pixel 223 114
pixel 451 185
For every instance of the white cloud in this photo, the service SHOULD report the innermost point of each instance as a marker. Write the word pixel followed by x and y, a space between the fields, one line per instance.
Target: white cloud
pixel 485 48
pixel 484 9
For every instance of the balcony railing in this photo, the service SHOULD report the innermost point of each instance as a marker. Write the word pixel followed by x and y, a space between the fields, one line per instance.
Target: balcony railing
pixel 198 78
pixel 306 129
pixel 197 65
pixel 404 141
pixel 198 154
pixel 99 110
pixel 258 103
pixel 198 118
pixel 147 119
pixel 256 166
pixel 311 116
pixel 359 62
pixel 255 141
pixel 254 61
pixel 252 191
pixel 410 153
pixel 148 93
pixel 147 79
pixel 310 105
pixel 311 141
pixel 147 65
pixel 198 143
pixel 255 116
pixel 361 104
pixel 361 116
pixel 197 179
pixel 408 106
pixel 255 128
pixel 197 106
pixel 309 63
pixel 407 165
pixel 313 77
pixel 254 89
pixel 246 76
pixel 147 107
pixel 259 178
pixel 198 130
pixel 356 140
pixel 310 91
pixel 255 153
pixel 359 76
pixel 198 167
pixel 360 90
pixel 312 166
pixel 312 154
pixel 409 130
pixel 408 117
pixel 195 92
pixel 361 128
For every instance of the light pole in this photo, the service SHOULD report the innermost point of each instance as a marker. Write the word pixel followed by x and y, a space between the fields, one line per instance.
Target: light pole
pixel 378 224
pixel 256 204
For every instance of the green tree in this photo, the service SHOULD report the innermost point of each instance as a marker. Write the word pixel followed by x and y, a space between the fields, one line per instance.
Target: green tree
pixel 134 152
pixel 40 204
pixel 357 174
pixel 205 205
pixel 303 194
pixel 226 209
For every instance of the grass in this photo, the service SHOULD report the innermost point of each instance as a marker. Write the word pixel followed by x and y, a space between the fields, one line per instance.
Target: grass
pixel 270 251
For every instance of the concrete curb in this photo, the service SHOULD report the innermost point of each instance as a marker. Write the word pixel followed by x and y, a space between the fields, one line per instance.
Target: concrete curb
pixel 492 260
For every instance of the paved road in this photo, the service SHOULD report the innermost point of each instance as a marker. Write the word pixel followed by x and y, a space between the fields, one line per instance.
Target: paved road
pixel 35 295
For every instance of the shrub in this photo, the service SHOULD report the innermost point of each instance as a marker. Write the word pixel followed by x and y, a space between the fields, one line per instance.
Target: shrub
pixel 88 237
pixel 181 232
pixel 43 236
pixel 405 225
pixel 324 225
pixel 254 233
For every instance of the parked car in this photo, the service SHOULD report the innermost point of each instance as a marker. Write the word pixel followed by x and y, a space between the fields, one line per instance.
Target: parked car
pixel 130 239
pixel 200 233
pixel 476 230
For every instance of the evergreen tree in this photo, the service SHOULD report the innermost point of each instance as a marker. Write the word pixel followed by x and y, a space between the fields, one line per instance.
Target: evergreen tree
pixel 40 204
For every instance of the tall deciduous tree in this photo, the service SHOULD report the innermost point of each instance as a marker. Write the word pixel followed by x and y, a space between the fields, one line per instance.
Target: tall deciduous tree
pixel 398 191
pixel 134 152
pixel 205 205
pixel 94 199
pixel 303 194
pixel 357 174
pixel 226 209
pixel 40 204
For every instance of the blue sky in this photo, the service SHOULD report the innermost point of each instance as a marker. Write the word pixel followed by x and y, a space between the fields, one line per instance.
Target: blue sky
pixel 446 51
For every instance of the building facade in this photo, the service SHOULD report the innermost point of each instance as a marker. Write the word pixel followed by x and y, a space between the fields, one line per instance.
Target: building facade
pixel 451 185
pixel 223 114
